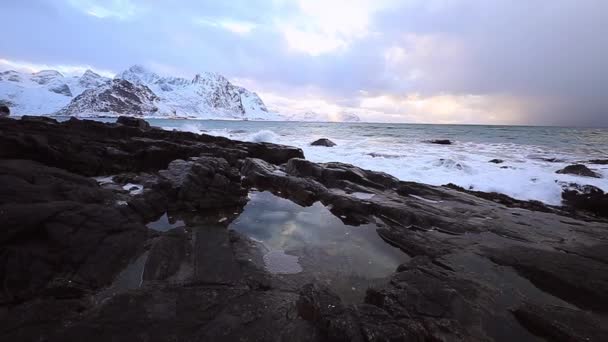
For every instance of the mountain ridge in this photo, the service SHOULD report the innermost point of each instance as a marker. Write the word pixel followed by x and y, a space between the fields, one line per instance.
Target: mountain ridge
pixel 208 95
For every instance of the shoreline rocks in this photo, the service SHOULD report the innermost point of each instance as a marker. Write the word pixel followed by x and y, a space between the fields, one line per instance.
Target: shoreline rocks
pixel 440 141
pixel 578 170
pixel 323 142
pixel 80 259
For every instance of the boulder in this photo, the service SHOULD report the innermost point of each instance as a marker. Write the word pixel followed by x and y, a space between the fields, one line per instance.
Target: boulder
pixel 323 142
pixel 204 183
pixel 133 122
pixel 578 170
pixel 440 141
pixel 586 197
pixel 4 111
pixel 497 161
pixel 599 161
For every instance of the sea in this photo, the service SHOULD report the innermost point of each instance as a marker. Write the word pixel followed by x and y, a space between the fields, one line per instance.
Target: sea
pixel 530 155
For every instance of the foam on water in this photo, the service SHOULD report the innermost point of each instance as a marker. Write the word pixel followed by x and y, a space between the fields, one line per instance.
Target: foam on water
pixel 531 155
pixel 263 136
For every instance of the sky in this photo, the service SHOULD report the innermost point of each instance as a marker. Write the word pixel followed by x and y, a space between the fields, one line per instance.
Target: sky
pixel 533 62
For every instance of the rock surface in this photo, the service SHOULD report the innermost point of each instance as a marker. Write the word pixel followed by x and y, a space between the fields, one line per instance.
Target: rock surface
pixel 81 260
pixel 578 170
pixel 323 142
pixel 440 142
pixel 586 197
pixel 4 110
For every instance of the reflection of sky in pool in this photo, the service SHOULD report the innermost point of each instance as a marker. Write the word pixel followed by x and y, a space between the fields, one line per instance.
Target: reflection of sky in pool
pixel 326 248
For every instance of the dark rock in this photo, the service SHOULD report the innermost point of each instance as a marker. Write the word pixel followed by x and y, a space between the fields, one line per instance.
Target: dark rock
pixel 4 110
pixel 166 256
pixel 323 142
pixel 325 310
pixel 42 119
pixel 504 199
pixel 133 122
pixel 77 262
pixel 119 96
pixel 578 170
pixel 599 161
pixel 440 141
pixel 586 197
pixel 497 161
pixel 61 235
pixel 93 148
pixel 561 324
pixel 204 183
pixel 576 279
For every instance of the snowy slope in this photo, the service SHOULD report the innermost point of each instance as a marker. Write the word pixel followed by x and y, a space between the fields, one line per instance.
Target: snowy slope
pixel 114 98
pixel 207 95
pixel 43 92
pixel 143 93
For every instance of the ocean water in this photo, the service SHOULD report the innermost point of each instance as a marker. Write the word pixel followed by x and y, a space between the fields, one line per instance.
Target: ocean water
pixel 400 150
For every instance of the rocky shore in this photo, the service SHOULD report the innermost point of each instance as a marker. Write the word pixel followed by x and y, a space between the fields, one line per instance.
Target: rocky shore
pixel 81 258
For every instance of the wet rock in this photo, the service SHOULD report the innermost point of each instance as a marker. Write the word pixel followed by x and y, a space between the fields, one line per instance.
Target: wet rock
pixel 325 310
pixel 204 183
pixel 496 161
pixel 586 197
pixel 445 305
pixel 66 241
pixel 599 161
pixel 59 236
pixel 323 142
pixel 566 276
pixel 166 256
pixel 440 141
pixel 504 199
pixel 556 323
pixel 578 170
pixel 4 110
pixel 42 119
pixel 133 122
pixel 93 148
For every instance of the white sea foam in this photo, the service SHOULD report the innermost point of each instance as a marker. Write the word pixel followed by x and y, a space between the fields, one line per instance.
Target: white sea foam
pixel 526 173
pixel 263 136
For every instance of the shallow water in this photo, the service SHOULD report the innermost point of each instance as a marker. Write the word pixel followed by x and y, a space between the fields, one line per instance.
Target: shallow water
pixel 164 223
pixel 313 243
pixel 400 150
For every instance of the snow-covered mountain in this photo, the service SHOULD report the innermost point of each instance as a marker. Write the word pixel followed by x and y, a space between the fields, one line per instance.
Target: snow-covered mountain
pixel 117 96
pixel 207 95
pixel 140 92
pixel 43 92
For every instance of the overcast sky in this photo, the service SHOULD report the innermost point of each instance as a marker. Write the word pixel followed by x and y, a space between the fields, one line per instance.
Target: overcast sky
pixel 432 61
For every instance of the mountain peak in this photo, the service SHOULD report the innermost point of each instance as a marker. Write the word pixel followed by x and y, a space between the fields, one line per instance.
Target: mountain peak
pixel 90 73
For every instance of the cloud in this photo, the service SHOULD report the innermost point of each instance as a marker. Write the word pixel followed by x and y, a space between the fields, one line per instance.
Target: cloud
pixel 119 9
pixel 501 61
pixel 66 70
pixel 235 26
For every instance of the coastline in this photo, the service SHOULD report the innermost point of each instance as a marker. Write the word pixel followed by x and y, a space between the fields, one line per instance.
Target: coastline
pixel 481 265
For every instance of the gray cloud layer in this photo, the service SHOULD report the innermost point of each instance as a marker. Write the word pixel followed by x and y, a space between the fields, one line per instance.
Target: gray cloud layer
pixel 549 56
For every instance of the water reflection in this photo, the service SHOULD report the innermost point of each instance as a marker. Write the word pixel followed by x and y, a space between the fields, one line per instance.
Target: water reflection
pixel 164 223
pixel 313 241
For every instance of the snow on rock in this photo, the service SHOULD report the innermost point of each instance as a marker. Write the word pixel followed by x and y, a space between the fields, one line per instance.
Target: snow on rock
pixel 143 93
pixel 43 92
pixel 112 99
pixel 207 95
